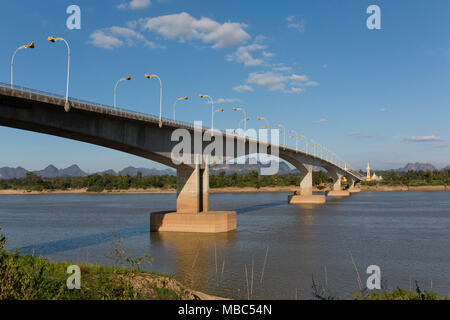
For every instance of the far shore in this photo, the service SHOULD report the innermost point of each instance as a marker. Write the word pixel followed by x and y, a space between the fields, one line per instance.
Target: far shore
pixel 278 189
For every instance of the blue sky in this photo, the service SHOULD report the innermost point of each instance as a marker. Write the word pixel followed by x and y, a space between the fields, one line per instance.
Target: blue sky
pixel 313 66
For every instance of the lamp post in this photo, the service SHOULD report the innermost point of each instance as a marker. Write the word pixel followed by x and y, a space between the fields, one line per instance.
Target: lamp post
pixel 296 134
pixel 283 131
pixel 296 142
pixel 182 98
pixel 53 39
pixel 115 88
pixel 218 110
pixel 31 46
pixel 245 121
pixel 212 109
pixel 149 76
pixel 245 117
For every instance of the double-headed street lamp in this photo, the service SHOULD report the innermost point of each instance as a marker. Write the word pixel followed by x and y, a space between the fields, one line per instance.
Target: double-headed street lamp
pixel 179 99
pixel 212 109
pixel 31 46
pixel 115 88
pixel 149 76
pixel 53 39
pixel 245 117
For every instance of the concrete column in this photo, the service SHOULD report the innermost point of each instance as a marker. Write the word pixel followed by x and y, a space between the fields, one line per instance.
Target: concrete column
pixel 188 190
pixel 205 188
pixel 305 195
pixel 352 186
pixel 336 188
pixel 306 181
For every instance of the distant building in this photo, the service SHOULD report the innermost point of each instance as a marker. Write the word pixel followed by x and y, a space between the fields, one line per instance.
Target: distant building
pixel 372 177
pixel 376 178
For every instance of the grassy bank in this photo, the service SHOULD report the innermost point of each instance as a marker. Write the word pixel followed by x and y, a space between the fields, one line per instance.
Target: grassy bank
pixel 34 278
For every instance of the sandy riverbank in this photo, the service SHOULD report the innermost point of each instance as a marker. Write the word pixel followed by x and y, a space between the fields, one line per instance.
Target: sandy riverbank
pixel 281 189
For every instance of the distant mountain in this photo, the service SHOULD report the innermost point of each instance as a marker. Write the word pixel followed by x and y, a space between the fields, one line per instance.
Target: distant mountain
pixel 417 167
pixel 248 168
pixel 446 168
pixel 110 171
pixel 132 171
pixel 11 173
pixel 74 171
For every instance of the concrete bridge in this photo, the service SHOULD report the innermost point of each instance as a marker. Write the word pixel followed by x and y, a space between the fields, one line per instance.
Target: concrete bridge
pixel 141 135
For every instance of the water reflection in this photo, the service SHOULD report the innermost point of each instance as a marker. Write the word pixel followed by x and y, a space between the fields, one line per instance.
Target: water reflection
pixel 198 258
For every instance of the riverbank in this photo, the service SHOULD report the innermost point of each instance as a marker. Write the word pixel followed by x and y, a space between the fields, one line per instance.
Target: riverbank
pixel 277 189
pixel 32 278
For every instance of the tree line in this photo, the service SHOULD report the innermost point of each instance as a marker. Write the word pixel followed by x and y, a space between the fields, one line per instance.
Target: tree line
pixel 110 182
pixel 413 178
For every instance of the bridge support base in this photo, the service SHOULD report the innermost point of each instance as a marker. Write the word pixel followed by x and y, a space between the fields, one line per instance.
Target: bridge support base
pixel 338 193
pixel 205 222
pixel 306 199
pixel 354 190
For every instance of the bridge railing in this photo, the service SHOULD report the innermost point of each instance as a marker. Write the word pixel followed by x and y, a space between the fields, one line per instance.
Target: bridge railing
pixel 152 118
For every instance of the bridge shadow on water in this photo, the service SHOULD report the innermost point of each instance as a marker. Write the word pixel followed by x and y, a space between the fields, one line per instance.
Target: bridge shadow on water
pixel 57 246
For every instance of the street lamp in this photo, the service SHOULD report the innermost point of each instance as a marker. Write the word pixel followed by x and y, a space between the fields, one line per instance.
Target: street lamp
pixel 296 142
pixel 31 46
pixel 149 76
pixel 212 109
pixel 245 122
pixel 182 98
pixel 296 134
pixel 245 117
pixel 284 133
pixel 115 88
pixel 53 39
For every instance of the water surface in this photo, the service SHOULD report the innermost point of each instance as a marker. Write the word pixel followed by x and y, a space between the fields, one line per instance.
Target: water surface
pixel 407 234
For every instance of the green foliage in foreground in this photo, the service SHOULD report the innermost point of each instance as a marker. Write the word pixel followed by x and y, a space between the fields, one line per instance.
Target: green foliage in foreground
pixel 32 278
pixel 109 182
pixel 401 294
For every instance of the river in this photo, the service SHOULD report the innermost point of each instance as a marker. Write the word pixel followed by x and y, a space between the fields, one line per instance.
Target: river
pixel 406 234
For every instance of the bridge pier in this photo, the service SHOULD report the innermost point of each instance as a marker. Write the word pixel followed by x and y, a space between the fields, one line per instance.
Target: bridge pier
pixel 337 187
pixel 352 186
pixel 304 194
pixel 193 213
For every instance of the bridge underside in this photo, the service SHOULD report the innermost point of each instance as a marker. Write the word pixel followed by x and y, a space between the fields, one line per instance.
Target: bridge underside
pixel 143 137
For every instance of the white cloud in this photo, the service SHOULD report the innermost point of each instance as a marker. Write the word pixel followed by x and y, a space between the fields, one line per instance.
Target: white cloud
pixel 269 80
pixel 383 110
pixel 281 68
pixel 100 39
pixel 360 134
pixel 224 100
pixel 115 37
pixel 268 54
pixel 296 24
pixel 311 84
pixel 321 120
pixel 134 5
pixel 243 88
pixel 244 56
pixel 184 27
pixel 298 78
pixel 297 90
pixel 277 81
pixel 431 138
